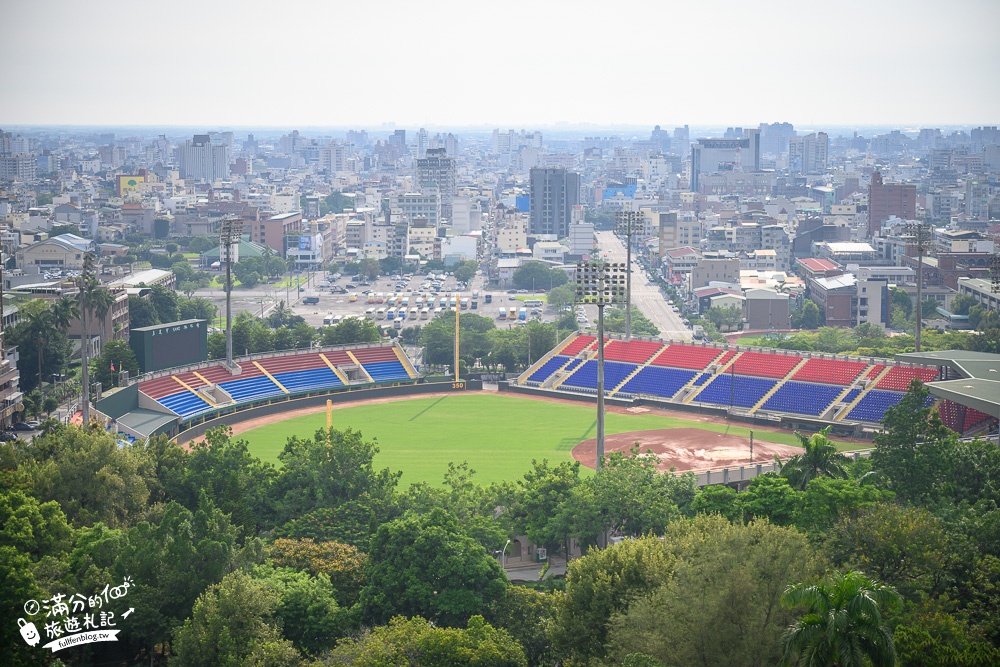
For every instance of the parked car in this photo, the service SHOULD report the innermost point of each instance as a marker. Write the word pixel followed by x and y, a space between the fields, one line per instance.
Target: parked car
pixel 33 423
pixel 22 426
pixel 7 436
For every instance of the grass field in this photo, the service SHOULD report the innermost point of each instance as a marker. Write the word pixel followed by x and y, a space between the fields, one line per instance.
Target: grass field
pixel 497 435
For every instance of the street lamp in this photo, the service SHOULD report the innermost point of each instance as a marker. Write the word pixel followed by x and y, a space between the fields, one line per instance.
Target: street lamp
pixel 919 235
pixel 230 230
pixel 503 556
pixel 600 284
pixel 625 222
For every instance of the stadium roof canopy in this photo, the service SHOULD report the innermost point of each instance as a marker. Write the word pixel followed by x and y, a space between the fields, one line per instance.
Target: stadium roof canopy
pixel 977 384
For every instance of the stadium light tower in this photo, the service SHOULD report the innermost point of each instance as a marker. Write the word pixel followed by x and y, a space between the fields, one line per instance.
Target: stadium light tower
pixel 919 235
pixel 230 231
pixel 625 224
pixel 600 284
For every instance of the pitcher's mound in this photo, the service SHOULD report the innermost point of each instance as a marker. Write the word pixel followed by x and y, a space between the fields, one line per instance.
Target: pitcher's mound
pixel 688 449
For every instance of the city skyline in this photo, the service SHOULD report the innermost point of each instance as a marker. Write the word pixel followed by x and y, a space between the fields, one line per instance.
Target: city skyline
pixel 447 65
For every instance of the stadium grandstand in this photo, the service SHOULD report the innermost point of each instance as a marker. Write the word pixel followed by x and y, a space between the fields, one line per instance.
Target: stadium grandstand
pixel 793 388
pixel 171 400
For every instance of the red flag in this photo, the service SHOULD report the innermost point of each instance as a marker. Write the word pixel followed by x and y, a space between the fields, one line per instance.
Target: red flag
pixel 112 366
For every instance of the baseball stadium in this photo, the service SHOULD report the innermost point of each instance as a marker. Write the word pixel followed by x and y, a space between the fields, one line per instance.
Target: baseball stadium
pixel 714 410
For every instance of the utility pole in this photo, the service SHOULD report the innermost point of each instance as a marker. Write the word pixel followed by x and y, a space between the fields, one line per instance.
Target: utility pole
pixel 920 237
pixel 600 283
pixel 625 224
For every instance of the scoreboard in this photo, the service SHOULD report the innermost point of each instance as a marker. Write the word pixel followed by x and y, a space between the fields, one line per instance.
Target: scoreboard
pixel 169 345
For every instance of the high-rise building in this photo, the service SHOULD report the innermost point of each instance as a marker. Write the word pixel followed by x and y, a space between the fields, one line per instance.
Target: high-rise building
pixel 202 160
pixel 554 193
pixel 808 154
pixel 889 199
pixel 774 137
pixel 436 169
pixel 710 156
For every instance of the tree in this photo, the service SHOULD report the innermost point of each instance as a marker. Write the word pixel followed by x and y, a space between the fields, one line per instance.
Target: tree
pixel 306 608
pixel 538 276
pixel 327 470
pixel 809 317
pixel 237 482
pixel 728 317
pixel 43 349
pixel 234 622
pixel 913 454
pixel 349 331
pixel 117 354
pixel 906 547
pixel 90 476
pixel 427 566
pixel 901 299
pixel 723 603
pixel 601 584
pixel 176 556
pixel 164 302
pixel 820 459
pixel 416 642
pixel 842 625
pixel 342 564
pixel 141 312
pixel 561 296
pixel 770 497
pixel 526 614
pixel 198 308
pixel 541 493
pixel 465 271
pixel 200 244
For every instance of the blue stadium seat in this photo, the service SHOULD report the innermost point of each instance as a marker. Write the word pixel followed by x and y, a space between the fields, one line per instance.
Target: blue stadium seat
pixel 384 371
pixel 586 376
pixel 657 380
pixel 851 395
pixel 701 379
pixel 315 378
pixel 748 390
pixel 251 389
pixel 184 403
pixel 873 406
pixel 803 398
pixel 547 369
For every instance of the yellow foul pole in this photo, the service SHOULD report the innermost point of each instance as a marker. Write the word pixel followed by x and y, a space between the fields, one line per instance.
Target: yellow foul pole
pixel 329 414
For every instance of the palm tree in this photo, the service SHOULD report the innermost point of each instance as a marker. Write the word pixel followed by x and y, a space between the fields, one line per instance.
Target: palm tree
pixel 842 625
pixel 820 459
pixel 101 301
pixel 88 285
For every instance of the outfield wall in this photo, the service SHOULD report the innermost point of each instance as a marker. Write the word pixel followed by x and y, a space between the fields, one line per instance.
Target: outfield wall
pixel 279 406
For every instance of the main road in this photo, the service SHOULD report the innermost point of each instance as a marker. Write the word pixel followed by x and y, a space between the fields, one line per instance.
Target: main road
pixel 646 295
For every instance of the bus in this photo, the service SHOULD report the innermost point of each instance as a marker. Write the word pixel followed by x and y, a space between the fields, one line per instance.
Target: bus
pixel 380 298
pixel 425 312
pixel 522 314
pixel 438 311
pixel 443 302
pixel 465 303
pixel 512 314
pixel 534 303
pixel 390 314
pixel 353 297
pixel 370 314
pixel 489 298
pixel 380 314
pixel 330 320
pixel 406 302
pixel 475 304
pixel 451 302
pixel 371 297
pixel 503 314
pixel 414 312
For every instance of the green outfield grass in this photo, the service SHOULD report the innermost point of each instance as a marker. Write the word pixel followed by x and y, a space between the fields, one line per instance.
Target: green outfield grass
pixel 497 435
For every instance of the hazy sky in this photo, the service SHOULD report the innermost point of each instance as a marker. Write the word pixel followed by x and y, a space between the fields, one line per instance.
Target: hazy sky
pixel 514 63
